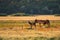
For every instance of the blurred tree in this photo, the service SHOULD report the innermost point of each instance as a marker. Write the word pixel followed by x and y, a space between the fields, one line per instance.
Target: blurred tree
pixel 30 6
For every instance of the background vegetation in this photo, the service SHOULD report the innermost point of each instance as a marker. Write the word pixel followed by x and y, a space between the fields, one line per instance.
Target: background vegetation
pixel 29 7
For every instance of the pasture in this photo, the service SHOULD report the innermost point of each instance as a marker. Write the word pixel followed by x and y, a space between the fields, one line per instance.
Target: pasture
pixel 24 24
pixel 19 30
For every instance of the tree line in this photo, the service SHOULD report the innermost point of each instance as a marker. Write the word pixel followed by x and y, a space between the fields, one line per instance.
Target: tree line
pixel 8 7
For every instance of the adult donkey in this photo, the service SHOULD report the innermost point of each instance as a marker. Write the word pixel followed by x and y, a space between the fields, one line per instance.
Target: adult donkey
pixel 44 22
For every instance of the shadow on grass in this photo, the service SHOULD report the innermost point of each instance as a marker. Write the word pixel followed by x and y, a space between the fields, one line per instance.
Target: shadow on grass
pixel 30 28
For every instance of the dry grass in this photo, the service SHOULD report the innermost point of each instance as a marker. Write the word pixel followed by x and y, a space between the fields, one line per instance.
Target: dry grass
pixel 16 28
pixel 39 17
pixel 21 29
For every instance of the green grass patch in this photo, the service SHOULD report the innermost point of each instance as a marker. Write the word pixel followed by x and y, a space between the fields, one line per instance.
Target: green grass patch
pixel 29 38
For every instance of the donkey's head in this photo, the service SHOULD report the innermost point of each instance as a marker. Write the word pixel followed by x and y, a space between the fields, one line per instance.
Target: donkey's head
pixel 35 20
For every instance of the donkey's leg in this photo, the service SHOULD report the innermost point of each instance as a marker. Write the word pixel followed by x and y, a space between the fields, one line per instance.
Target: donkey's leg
pixel 31 26
pixel 49 25
pixel 35 26
pixel 40 24
pixel 43 25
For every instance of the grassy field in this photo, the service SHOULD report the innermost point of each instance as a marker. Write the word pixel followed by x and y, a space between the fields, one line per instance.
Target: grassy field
pixel 7 26
pixel 12 23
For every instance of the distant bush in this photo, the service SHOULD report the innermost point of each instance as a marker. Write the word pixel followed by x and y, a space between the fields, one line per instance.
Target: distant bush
pixel 57 14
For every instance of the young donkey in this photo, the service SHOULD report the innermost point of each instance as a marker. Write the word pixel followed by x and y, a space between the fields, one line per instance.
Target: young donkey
pixel 32 24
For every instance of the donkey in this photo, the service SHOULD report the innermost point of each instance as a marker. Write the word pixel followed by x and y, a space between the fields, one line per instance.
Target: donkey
pixel 44 22
pixel 32 24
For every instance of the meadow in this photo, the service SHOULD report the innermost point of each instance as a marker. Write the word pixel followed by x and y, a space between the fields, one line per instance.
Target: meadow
pixel 19 30
pixel 20 23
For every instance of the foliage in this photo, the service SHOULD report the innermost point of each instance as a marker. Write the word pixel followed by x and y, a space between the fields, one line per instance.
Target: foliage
pixel 8 7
